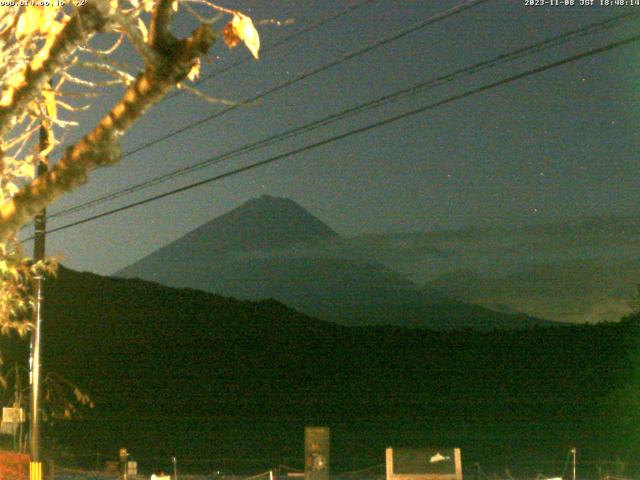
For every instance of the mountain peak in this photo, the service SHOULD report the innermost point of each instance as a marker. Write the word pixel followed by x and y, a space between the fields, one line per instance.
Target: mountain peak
pixel 273 205
pixel 266 198
pixel 264 223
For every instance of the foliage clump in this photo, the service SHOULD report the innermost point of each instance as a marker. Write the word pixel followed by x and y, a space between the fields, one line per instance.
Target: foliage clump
pixel 51 70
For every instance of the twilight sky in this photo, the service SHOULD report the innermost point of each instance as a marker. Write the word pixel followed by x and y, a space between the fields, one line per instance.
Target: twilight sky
pixel 557 145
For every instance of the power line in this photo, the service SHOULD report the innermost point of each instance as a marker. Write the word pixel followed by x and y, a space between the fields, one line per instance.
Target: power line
pixel 277 43
pixel 263 50
pixel 415 89
pixel 438 17
pixel 356 131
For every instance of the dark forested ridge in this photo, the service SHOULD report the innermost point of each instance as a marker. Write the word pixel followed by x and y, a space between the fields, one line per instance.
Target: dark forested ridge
pixel 201 376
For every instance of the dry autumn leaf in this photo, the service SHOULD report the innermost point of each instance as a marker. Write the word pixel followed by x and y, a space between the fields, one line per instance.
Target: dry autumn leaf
pixel 35 19
pixel 239 29
pixel 195 70
pixel 231 39
pixel 143 30
pixel 50 103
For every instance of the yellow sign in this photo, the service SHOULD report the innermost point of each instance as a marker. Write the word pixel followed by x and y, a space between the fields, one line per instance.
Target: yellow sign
pixel 35 470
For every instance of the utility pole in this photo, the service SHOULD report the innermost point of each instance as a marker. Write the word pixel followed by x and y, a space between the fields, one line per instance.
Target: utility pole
pixel 175 467
pixel 40 224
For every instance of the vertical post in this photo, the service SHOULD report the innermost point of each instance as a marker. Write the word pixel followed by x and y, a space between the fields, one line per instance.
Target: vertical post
pixel 389 463
pixel 573 451
pixel 124 459
pixel 17 403
pixel 174 460
pixel 36 362
pixel 458 463
pixel 316 453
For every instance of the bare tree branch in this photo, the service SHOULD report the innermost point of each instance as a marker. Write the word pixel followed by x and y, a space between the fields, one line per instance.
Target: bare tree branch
pixel 208 98
pixel 149 55
pixel 40 71
pixel 40 45
pixel 160 36
pixel 100 146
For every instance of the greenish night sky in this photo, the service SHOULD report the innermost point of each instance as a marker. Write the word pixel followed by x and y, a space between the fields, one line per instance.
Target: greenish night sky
pixel 554 147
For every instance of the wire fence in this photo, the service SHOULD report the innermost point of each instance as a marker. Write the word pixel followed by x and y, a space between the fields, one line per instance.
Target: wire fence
pixel 585 470
pixel 99 466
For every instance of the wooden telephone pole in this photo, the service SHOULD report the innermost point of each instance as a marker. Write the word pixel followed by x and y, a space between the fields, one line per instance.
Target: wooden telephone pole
pixel 40 224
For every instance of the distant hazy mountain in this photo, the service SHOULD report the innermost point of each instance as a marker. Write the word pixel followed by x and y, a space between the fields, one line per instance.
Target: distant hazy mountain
pixel 273 248
pixel 580 270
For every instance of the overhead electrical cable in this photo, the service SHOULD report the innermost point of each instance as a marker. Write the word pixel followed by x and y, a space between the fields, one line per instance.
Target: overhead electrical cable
pixel 395 96
pixel 282 41
pixel 263 50
pixel 438 17
pixel 356 131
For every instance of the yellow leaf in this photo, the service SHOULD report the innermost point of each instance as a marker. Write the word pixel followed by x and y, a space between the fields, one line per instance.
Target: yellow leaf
pixel 143 30
pixel 50 103
pixel 7 97
pixel 244 29
pixel 47 18
pixel 195 70
pixel 12 188
pixel 36 19
pixel 26 169
pixel 29 21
